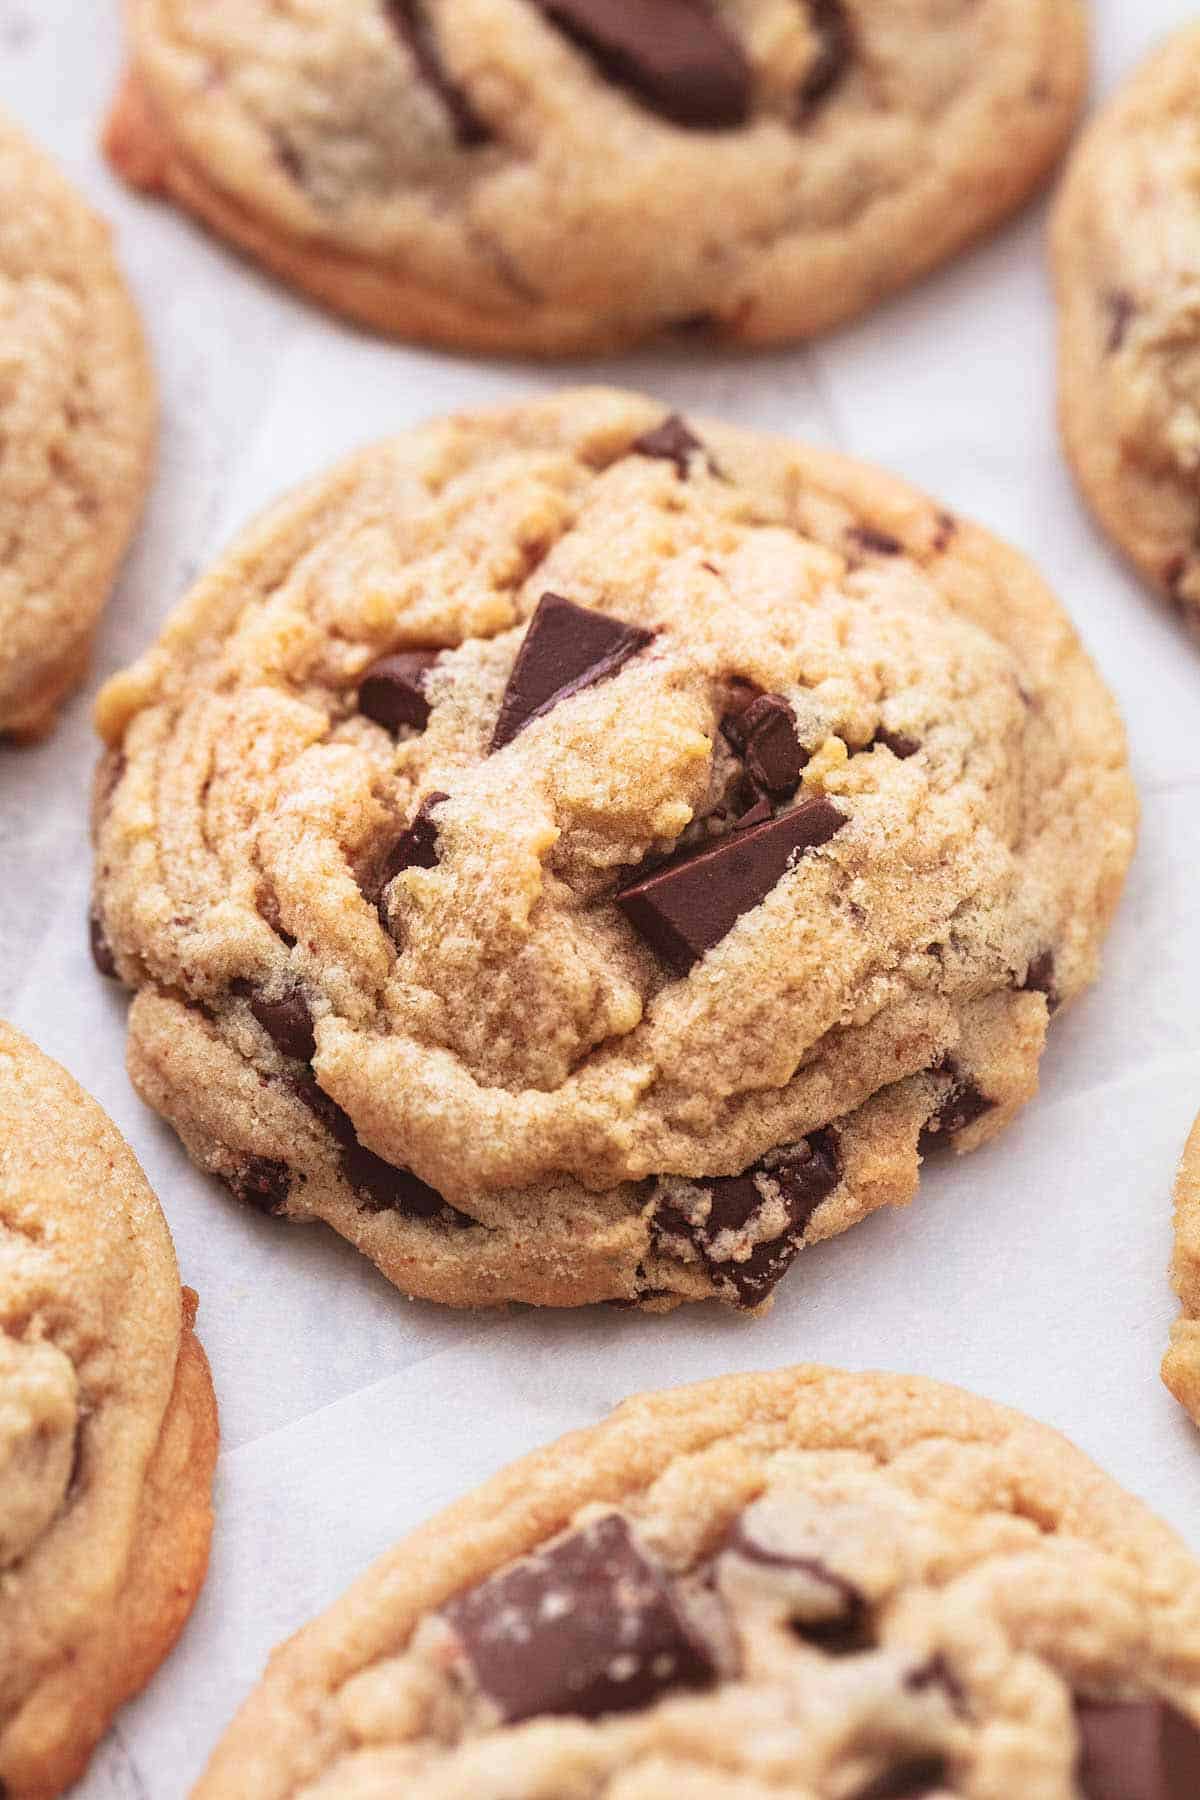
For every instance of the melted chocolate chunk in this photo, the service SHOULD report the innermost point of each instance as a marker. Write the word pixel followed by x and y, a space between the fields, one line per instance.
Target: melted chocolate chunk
pixel 379 1185
pixel 411 22
pixel 673 54
pixel 875 543
pixel 102 950
pixel 392 691
pixel 682 910
pixel 764 733
pixel 415 848
pixel 672 441
pixel 835 48
pixel 846 1628
pixel 288 1022
pixel 566 649
pixel 1039 979
pixel 962 1104
pixel 898 742
pixel 1137 1750
pixel 912 1779
pixel 262 1183
pixel 586 1627
pixel 805 1174
pixel 1122 309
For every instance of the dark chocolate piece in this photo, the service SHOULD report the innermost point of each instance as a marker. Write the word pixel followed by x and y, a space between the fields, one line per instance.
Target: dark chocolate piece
pixel 875 543
pixel 1137 1750
pixel 961 1105
pixel 411 21
pixel 682 910
pixel 392 690
pixel 102 950
pixel 566 648
pixel 261 1182
pixel 764 732
pixel 672 441
pixel 806 1174
pixel 586 1627
pixel 912 1779
pixel 673 54
pixel 846 1628
pixel 834 51
pixel 898 742
pixel 379 1184
pixel 415 848
pixel 1039 979
pixel 288 1021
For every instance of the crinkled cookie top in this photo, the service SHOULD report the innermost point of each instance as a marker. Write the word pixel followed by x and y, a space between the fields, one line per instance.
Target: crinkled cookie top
pixel 573 806
pixel 833 1587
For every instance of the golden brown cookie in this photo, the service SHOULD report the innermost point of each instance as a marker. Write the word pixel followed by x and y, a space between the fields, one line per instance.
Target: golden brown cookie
pixel 580 855
pixel 108 1428
pixel 76 429
pixel 558 175
pixel 802 1583
pixel 1181 1365
pixel 1127 268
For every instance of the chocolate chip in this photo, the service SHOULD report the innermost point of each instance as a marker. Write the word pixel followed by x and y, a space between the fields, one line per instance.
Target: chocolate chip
pixel 672 441
pixel 1121 308
pixel 962 1105
pixel 262 1183
pixel 1137 1750
pixel 415 848
pixel 102 950
pixel 765 734
pixel 845 1628
pixel 1040 979
pixel 805 1174
pixel 873 542
pixel 566 648
pixel 392 691
pixel 411 22
pixel 379 1185
pixel 288 1021
pixel 909 1780
pixel 673 54
pixel 586 1627
pixel 898 742
pixel 835 47
pixel 682 910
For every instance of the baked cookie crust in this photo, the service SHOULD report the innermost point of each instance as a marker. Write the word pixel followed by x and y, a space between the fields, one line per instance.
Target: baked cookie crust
pixel 1181 1365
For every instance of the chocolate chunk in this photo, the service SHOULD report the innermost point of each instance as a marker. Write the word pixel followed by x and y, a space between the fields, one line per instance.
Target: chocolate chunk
pixel 411 22
pixel 1039 979
pixel 806 1173
pixel 846 1628
pixel 1137 1750
pixel 835 47
pixel 685 908
pixel 962 1105
pixel 765 734
pixel 415 848
pixel 102 950
pixel 380 1185
pixel 566 648
pixel 262 1183
pixel 288 1022
pixel 875 543
pixel 673 54
pixel 757 814
pixel 898 742
pixel 1122 309
pixel 672 441
pixel 392 691
pixel 912 1779
pixel 586 1627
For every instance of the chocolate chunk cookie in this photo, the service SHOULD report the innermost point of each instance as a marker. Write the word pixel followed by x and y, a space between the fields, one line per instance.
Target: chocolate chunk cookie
pixel 802 1583
pixel 1127 267
pixel 108 1430
pixel 551 176
pixel 721 828
pixel 1181 1366
pixel 76 423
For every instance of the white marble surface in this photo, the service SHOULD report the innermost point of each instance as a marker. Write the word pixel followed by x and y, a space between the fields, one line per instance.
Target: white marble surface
pixel 1033 1272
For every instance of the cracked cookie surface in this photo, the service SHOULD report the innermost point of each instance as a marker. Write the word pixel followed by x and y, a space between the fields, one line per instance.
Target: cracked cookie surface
pixel 1181 1367
pixel 581 855
pixel 108 1431
pixel 76 426
pixel 829 1586
pixel 1127 270
pixel 551 176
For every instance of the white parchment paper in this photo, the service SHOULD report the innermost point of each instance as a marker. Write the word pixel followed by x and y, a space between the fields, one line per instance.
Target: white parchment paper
pixel 1033 1272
